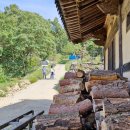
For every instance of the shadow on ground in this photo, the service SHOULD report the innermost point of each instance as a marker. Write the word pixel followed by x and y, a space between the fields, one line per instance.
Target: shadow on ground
pixel 14 110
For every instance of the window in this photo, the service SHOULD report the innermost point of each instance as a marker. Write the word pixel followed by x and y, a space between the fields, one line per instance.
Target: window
pixel 128 22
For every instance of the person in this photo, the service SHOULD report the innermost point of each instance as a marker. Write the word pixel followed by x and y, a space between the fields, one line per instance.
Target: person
pixel 44 72
pixel 52 72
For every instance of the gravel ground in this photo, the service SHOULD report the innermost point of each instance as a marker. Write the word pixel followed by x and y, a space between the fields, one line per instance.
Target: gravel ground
pixel 37 97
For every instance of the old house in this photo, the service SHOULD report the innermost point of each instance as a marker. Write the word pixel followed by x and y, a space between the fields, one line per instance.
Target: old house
pixel 108 21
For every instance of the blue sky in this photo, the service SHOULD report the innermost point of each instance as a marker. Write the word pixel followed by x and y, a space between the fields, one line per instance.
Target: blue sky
pixel 46 8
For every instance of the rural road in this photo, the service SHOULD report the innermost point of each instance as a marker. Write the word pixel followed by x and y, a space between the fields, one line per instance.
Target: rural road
pixel 37 97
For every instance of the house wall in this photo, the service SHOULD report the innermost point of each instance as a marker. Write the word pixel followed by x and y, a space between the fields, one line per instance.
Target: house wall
pixel 125 41
pixel 126 46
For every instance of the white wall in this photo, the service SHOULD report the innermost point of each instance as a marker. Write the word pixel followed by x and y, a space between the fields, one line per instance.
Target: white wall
pixel 106 59
pixel 126 46
pixel 116 42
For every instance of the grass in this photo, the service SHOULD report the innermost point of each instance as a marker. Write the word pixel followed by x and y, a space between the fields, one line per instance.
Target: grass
pixel 5 87
pixel 32 77
pixel 36 75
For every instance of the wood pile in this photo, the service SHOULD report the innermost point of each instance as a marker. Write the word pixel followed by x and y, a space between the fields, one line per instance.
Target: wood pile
pixel 111 101
pixel 98 100
pixel 68 106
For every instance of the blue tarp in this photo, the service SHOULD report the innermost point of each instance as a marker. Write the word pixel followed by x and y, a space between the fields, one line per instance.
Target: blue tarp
pixel 74 57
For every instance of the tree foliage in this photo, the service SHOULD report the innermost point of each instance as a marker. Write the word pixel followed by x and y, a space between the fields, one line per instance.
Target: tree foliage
pixel 26 36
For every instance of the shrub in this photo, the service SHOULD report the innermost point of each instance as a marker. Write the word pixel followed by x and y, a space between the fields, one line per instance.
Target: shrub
pixel 3 77
pixel 2 93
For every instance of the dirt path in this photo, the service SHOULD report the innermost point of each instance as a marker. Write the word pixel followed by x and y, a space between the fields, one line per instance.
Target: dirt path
pixel 37 96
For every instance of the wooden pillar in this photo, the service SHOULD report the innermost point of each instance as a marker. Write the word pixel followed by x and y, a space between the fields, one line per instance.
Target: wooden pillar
pixel 120 40
pixel 110 58
pixel 113 55
pixel 104 59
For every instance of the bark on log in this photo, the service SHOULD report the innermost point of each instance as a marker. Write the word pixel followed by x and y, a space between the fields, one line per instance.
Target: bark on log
pixel 67 99
pixel 116 122
pixel 110 91
pixel 70 75
pixel 53 117
pixel 98 103
pixel 57 128
pixel 45 121
pixel 99 118
pixel 117 106
pixel 80 73
pixel 102 75
pixel 81 107
pixel 70 88
pixel 90 84
pixel 65 82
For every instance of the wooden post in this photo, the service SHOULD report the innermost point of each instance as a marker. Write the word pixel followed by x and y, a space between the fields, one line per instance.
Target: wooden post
pixel 120 40
pixel 110 58
pixel 104 59
pixel 113 55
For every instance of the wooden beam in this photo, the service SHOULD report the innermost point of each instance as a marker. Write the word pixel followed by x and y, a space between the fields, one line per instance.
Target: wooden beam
pixel 67 2
pixel 89 5
pixel 120 41
pixel 93 18
pixel 89 13
pixel 93 29
pixel 68 7
pixel 92 25
pixel 108 6
pixel 71 23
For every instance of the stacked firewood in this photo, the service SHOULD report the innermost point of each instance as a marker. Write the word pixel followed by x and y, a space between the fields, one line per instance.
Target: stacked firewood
pixel 68 106
pixel 111 101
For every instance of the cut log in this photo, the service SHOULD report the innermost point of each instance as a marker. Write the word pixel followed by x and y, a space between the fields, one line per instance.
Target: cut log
pixel 46 118
pixel 102 75
pixel 110 91
pixel 99 118
pixel 98 103
pixel 70 88
pixel 54 120
pixel 57 128
pixel 67 98
pixel 70 75
pixel 116 122
pixel 65 82
pixel 90 84
pixel 80 73
pixel 117 106
pixel 81 107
